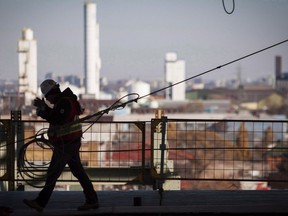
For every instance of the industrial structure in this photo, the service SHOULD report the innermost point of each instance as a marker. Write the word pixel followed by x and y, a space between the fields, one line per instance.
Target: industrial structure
pixel 92 59
pixel 281 78
pixel 174 73
pixel 27 56
pixel 140 87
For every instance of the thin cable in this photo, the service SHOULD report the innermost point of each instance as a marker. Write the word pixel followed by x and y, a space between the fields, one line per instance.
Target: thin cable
pixel 115 106
pixel 31 173
pixel 208 71
pixel 223 2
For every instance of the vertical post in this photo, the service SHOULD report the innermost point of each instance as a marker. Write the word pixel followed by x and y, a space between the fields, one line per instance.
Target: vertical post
pixel 142 127
pixel 156 140
pixel 143 150
pixel 162 156
pixel 9 166
pixel 159 148
pixel 163 144
pixel 17 133
pixel 11 152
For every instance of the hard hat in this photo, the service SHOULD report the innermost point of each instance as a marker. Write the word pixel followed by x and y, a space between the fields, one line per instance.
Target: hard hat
pixel 47 85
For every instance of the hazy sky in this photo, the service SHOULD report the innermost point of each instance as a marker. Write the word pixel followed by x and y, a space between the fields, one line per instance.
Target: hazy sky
pixel 136 34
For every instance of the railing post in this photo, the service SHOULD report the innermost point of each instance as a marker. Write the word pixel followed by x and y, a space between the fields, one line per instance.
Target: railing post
pixel 17 134
pixel 142 127
pixel 11 154
pixel 162 155
pixel 159 154
pixel 7 159
pixel 163 144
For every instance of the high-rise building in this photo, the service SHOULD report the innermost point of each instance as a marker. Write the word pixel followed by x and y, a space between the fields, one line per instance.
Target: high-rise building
pixel 27 56
pixel 92 59
pixel 174 73
pixel 281 78
pixel 278 66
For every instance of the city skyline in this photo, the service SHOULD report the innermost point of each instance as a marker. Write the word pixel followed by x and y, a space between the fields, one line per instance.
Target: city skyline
pixel 135 35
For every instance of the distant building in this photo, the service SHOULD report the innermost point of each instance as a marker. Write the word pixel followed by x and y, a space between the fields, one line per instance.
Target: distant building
pixel 278 66
pixel 197 84
pixel 281 78
pixel 174 73
pixel 71 79
pixel 138 87
pixel 92 59
pixel 27 56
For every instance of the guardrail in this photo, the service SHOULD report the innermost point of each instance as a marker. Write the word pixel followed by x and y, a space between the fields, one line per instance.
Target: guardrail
pixel 227 154
pixel 161 154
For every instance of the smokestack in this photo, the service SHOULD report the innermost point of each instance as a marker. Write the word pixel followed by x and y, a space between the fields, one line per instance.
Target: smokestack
pixel 92 51
pixel 27 58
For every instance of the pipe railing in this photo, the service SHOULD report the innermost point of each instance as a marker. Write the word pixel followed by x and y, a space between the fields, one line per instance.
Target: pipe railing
pixel 163 153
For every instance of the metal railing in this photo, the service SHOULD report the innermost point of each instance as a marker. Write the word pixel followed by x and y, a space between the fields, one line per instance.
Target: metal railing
pixel 161 154
pixel 227 154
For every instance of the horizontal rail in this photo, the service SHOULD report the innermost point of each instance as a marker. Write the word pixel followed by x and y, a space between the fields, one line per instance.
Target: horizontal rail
pixel 202 154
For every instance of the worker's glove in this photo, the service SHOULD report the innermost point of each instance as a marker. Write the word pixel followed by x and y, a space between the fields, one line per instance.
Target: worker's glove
pixel 39 103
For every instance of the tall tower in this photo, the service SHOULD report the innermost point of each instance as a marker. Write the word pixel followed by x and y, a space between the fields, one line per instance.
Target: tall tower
pixel 174 73
pixel 27 58
pixel 92 51
pixel 278 67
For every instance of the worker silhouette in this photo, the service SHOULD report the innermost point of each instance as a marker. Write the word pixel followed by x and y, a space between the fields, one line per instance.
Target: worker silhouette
pixel 65 136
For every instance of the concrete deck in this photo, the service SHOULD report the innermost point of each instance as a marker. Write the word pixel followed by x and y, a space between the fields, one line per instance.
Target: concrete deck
pixel 172 203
